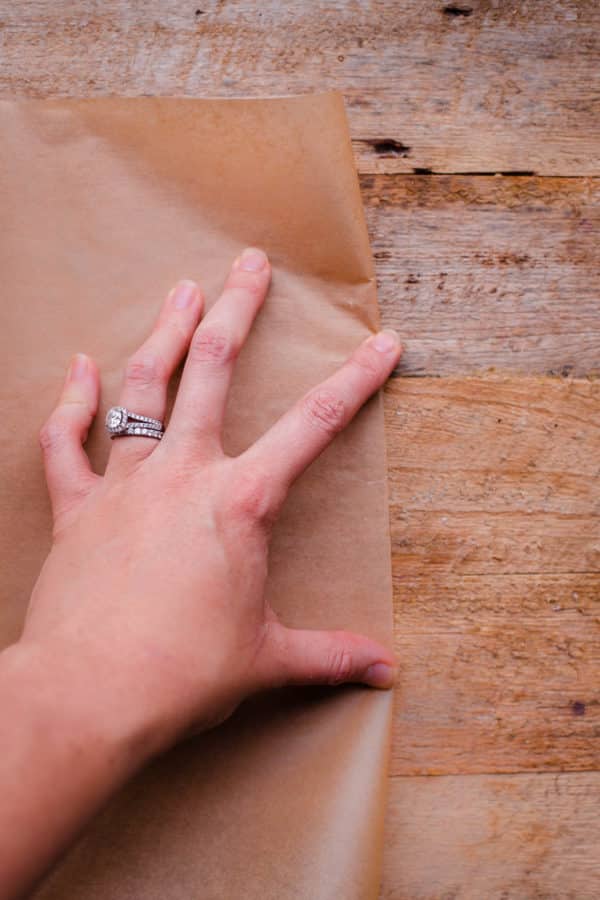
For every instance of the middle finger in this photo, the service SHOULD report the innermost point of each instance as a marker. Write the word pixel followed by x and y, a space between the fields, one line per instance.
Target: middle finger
pixel 200 405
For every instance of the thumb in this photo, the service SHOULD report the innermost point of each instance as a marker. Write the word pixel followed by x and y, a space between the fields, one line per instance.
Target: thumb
pixel 295 656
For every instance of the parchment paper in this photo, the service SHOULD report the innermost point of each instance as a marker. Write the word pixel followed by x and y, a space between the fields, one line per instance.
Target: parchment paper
pixel 104 204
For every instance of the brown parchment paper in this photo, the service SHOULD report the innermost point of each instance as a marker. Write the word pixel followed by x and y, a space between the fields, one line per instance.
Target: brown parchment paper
pixel 104 204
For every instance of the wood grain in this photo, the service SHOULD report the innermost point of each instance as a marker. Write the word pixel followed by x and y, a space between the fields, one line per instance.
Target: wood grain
pixel 498 837
pixel 477 86
pixel 494 475
pixel 497 674
pixel 494 480
pixel 482 273
pixel 495 514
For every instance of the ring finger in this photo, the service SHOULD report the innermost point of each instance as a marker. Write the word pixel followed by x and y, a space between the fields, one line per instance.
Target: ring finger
pixel 149 370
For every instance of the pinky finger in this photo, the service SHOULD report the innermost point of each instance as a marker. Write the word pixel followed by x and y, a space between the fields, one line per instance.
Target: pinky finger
pixel 68 472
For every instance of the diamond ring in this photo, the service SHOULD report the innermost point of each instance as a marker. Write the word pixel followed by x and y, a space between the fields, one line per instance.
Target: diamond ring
pixel 121 422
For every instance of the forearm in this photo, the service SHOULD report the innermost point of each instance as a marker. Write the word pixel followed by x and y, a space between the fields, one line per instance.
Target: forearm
pixel 61 759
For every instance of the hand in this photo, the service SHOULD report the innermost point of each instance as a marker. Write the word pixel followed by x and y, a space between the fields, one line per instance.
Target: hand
pixel 152 596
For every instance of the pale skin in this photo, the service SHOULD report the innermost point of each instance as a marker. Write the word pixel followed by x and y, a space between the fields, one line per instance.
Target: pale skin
pixel 149 619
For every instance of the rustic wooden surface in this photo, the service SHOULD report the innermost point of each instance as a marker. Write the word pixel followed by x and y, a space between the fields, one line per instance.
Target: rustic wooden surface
pixel 481 273
pixel 527 837
pixel 496 550
pixel 476 129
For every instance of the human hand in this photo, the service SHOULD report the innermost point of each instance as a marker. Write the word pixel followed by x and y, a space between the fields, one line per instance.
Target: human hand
pixel 152 597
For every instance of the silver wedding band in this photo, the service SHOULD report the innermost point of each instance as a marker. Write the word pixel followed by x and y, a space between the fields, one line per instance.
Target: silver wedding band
pixel 121 422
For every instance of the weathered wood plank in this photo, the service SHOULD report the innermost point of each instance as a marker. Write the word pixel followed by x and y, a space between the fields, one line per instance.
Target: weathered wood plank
pixel 501 837
pixel 493 476
pixel 497 674
pixel 495 512
pixel 495 87
pixel 479 273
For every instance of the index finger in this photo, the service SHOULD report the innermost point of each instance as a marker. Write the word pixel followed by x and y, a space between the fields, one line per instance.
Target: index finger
pixel 302 434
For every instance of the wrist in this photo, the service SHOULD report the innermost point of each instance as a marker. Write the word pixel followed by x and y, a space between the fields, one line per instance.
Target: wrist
pixel 73 710
pixel 62 758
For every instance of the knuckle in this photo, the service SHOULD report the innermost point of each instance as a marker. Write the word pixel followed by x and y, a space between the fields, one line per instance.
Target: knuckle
pixel 243 284
pixel 340 665
pixel 325 410
pixel 180 332
pixel 53 434
pixel 210 346
pixel 145 370
pixel 65 511
pixel 367 361
pixel 252 497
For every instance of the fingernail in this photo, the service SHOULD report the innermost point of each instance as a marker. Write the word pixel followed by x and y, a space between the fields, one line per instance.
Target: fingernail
pixel 78 368
pixel 252 260
pixel 380 675
pixel 386 340
pixel 184 294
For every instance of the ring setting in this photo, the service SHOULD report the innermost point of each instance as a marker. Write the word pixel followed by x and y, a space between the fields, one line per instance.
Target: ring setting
pixel 121 422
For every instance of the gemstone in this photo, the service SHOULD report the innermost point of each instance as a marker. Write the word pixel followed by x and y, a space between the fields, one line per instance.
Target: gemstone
pixel 116 419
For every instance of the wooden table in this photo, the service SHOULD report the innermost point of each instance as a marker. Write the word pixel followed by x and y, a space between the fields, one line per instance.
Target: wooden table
pixel 477 134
